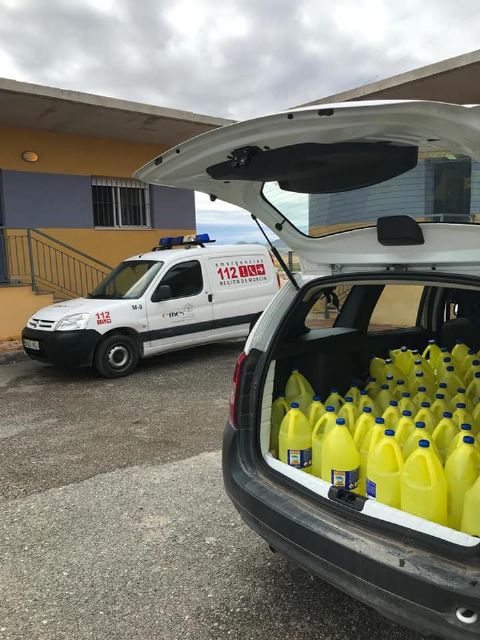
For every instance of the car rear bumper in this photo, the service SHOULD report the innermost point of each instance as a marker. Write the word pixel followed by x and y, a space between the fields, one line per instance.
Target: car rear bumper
pixel 415 587
pixel 63 348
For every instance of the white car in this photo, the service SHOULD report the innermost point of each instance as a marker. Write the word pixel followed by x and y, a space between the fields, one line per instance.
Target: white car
pixel 381 201
pixel 164 300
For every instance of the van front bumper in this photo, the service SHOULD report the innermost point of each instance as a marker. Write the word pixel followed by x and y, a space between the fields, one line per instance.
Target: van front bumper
pixel 62 348
pixel 411 585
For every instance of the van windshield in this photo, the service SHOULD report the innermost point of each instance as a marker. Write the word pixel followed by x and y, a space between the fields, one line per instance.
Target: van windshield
pixel 444 186
pixel 128 281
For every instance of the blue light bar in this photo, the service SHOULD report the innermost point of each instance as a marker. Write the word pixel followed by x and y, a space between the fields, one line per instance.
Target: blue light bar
pixel 202 237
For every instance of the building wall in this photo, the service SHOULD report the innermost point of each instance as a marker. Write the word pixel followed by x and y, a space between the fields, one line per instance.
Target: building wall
pixel 20 303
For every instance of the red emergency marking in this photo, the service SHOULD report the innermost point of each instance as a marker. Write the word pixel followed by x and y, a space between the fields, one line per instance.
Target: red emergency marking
pixel 243 271
pixel 103 317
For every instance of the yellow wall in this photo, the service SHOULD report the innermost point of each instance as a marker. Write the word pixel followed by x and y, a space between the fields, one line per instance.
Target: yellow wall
pixel 73 154
pixel 17 305
pixel 397 306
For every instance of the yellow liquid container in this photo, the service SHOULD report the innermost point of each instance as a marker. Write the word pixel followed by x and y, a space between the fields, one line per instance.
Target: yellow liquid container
pixel 391 384
pixel 403 360
pixel 392 370
pixel 424 486
pixel 340 458
pixel 399 389
pixel 363 425
pixel 317 441
pixel 432 353
pixel 279 411
pixel 476 419
pixel 425 415
pixel 462 416
pixel 349 413
pixel 461 397
pixel 460 353
pixel 371 439
pixel 327 421
pixel 461 471
pixel 418 379
pixel 366 401
pixel 405 428
pixel 384 468
pixel 470 374
pixel 442 388
pixel 453 380
pixel 372 388
pixel 391 415
pixel 473 389
pixel 439 406
pixel 383 399
pixel 353 392
pixel 315 411
pixel 471 510
pixel 465 430
pixel 444 433
pixel 297 385
pixel 411 443
pixel 467 362
pixel 422 365
pixel 377 368
pixel 444 362
pixel 406 403
pixel 420 396
pixel 334 399
pixel 295 439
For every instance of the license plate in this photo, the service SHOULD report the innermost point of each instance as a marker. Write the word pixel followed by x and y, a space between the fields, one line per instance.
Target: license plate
pixel 31 344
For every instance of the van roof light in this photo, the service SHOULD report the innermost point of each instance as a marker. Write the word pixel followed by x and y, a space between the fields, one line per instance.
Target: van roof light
pixel 167 242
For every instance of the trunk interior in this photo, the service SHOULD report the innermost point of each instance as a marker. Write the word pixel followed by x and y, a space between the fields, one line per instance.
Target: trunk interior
pixel 332 334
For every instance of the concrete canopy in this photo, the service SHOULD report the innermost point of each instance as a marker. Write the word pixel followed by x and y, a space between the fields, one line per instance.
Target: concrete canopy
pixel 38 107
pixel 454 80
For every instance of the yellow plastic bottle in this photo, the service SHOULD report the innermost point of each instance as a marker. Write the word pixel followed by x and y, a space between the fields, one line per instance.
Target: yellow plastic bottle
pixel 473 369
pixel 383 398
pixel 476 419
pixel 297 385
pixel 392 369
pixel 465 430
pixel 295 439
pixel 419 364
pixel 399 389
pixel 442 388
pixel 461 396
pixel 432 353
pixel 439 406
pixel 367 401
pixel 444 362
pixel 424 486
pixel 315 411
pixel 340 458
pixel 471 510
pixel 460 352
pixel 377 368
pixel 334 399
pixel 364 423
pixel 327 421
pixel 384 468
pixel 461 471
pixel 279 411
pixel 372 388
pixel 467 362
pixel 425 415
pixel 473 389
pixel 462 416
pixel 391 415
pixel 391 384
pixel 453 380
pixel 444 433
pixel 420 396
pixel 406 403
pixel 419 380
pixel 405 428
pixel 317 441
pixel 411 443
pixel 372 437
pixel 349 412
pixel 353 392
pixel 402 358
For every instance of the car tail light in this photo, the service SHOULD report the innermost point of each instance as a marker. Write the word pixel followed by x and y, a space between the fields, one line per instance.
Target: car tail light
pixel 235 390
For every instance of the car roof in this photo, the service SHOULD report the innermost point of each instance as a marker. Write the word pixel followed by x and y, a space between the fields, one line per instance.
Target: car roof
pixel 168 255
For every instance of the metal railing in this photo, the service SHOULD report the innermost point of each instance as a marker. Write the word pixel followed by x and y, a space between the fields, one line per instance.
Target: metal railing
pixel 31 256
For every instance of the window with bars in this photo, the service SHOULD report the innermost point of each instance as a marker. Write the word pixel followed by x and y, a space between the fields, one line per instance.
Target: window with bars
pixel 120 203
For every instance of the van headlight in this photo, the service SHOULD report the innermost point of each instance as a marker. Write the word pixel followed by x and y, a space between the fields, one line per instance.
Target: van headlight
pixel 73 323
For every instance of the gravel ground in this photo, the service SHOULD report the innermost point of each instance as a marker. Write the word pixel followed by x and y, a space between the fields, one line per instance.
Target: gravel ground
pixel 114 523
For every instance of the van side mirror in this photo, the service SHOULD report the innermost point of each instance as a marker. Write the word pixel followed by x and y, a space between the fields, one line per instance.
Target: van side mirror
pixel 162 292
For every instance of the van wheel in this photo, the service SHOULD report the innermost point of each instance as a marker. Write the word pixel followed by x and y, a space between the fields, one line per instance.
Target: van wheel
pixel 116 356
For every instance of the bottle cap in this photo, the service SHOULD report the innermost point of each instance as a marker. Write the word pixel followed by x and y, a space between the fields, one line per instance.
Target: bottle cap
pixel 407 412
pixel 294 405
pixel 400 381
pixel 460 390
pixel 450 368
pixel 422 389
pixel 388 361
pixel 442 385
pixel 471 352
pixel 330 408
pixel 348 399
pixel 317 398
pixel 415 351
pixel 444 349
pixel 420 425
pixel 466 427
pixel 460 405
pixel 404 348
pixel 384 386
pixel 447 359
pixel 405 394
pixel 447 414
pixel 379 420
pixel 424 444
pixel 367 409
pixel 477 374
pixel 340 421
pixel 389 376
pixel 475 363
pixel 468 440
pixel 371 379
pixel 393 403
pixel 419 374
pixel 364 392
pixel 334 390
pixel 417 362
pixel 439 396
pixel 389 432
pixel 426 404
pixel 431 341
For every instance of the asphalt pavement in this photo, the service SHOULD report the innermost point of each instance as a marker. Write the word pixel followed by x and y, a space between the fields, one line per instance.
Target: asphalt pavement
pixel 114 523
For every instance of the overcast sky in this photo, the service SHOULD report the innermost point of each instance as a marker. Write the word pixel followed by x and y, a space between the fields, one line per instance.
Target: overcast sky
pixel 226 57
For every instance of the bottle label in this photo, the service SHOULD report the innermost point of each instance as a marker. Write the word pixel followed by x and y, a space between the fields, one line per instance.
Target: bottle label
pixel 299 458
pixel 371 490
pixel 345 479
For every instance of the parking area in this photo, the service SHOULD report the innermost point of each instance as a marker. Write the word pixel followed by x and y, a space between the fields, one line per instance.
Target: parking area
pixel 114 523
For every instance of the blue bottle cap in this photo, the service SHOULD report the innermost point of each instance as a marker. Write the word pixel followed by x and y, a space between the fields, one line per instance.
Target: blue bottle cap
pixel 364 392
pixel 340 421
pixel 419 374
pixel 389 376
pixel 317 398
pixel 432 341
pixel 475 363
pixel 367 409
pixel 450 368
pixel 388 361
pixel 447 414
pixel 426 404
pixel 442 385
pixel 477 374
pixel 371 379
pixel 417 362
pixel 466 427
pixel 422 389
pixel 471 352
pixel 393 403
pixel 460 405
pixel 384 386
pixel 330 409
pixel 460 390
pixel 294 405
pixel 407 412
pixel 444 349
pixel 334 390
pixel 424 444
pixel 415 351
pixel 404 348
pixel 389 432
pixel 379 420
pixel 406 394
pixel 348 399
pixel 439 396
pixel 468 440
pixel 420 425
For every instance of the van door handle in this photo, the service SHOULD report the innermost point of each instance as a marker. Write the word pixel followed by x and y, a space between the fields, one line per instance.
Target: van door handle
pixel 210 297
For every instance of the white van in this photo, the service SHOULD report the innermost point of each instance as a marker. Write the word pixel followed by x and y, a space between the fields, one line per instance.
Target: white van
pixel 167 299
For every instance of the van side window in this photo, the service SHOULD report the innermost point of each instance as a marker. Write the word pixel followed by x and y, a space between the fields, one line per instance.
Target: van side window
pixel 184 278
pixel 324 312
pixel 396 308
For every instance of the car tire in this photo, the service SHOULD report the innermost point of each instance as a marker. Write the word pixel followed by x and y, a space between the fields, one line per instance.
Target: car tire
pixel 116 356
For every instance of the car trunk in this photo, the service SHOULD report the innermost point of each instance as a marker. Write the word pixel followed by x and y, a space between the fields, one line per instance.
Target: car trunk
pixel 335 351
